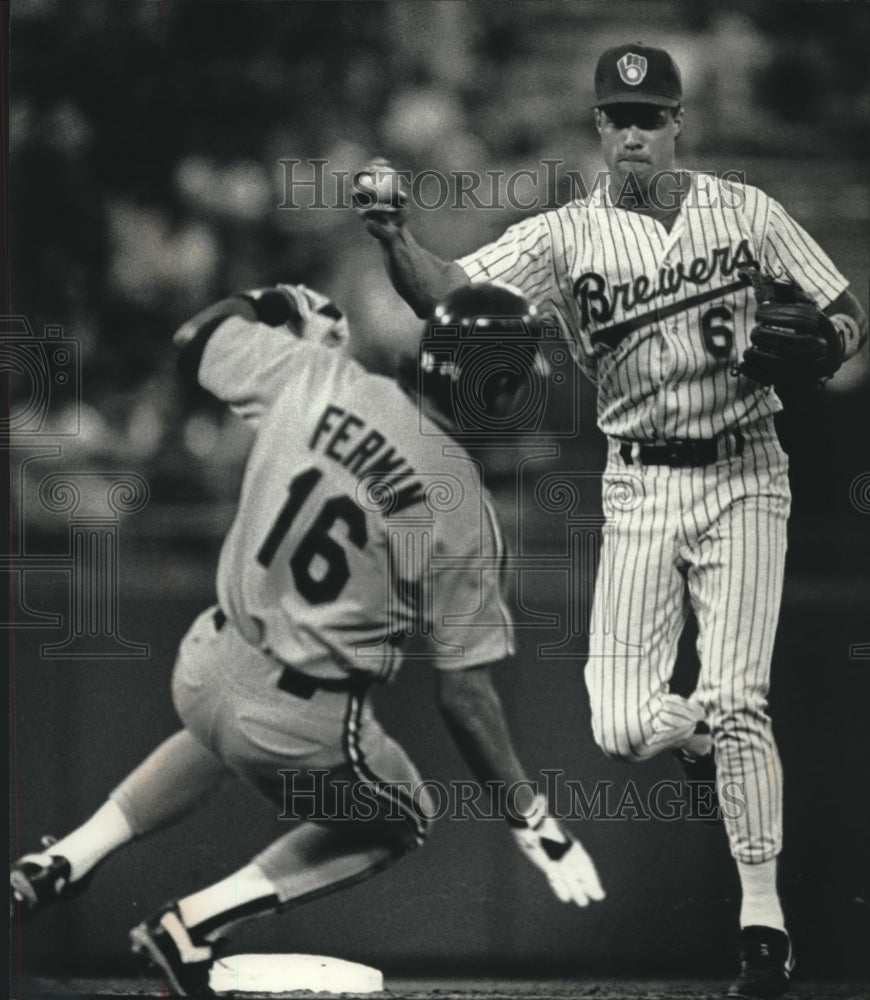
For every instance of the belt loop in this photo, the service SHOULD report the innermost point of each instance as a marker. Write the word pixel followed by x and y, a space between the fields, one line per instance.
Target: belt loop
pixel 739 441
pixel 625 453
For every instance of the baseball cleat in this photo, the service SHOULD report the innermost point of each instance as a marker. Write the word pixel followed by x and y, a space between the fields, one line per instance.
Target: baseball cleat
pixel 766 961
pixel 700 769
pixel 38 880
pixel 166 941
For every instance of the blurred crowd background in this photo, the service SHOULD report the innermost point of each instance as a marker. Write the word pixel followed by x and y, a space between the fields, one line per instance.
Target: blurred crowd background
pixel 152 145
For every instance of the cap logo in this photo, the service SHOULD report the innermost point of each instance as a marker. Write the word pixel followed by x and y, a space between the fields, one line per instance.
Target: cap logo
pixel 632 68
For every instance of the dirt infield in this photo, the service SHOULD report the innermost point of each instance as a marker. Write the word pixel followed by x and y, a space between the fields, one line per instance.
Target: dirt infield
pixel 447 989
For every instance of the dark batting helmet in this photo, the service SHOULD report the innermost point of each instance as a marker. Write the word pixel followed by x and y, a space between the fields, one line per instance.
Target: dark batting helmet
pixel 480 362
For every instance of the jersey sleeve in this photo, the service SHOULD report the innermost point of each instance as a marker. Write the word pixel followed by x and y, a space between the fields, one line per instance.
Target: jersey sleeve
pixel 470 620
pixel 523 256
pixel 246 364
pixel 787 250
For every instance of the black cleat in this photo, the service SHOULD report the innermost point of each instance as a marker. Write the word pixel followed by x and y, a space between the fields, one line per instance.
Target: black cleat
pixel 766 961
pixel 700 771
pixel 185 959
pixel 35 886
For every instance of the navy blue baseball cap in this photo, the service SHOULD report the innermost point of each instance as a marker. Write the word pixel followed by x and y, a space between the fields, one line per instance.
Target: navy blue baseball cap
pixel 637 74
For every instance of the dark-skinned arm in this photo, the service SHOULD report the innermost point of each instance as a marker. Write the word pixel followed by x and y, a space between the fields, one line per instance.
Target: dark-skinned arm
pixel 421 278
pixel 474 716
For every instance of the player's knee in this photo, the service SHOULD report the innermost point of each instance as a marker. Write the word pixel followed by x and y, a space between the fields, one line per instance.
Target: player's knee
pixel 404 817
pixel 401 834
pixel 619 744
pixel 421 811
pixel 412 835
pixel 424 805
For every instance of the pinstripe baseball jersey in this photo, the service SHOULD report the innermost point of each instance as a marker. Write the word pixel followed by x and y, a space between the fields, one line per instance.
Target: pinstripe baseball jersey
pixel 657 319
pixel 357 529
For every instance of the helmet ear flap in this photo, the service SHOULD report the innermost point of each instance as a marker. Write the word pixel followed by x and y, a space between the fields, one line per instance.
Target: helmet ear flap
pixel 479 347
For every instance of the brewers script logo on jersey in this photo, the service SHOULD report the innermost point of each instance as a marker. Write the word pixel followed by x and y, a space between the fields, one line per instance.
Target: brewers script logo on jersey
pixel 632 68
pixel 600 304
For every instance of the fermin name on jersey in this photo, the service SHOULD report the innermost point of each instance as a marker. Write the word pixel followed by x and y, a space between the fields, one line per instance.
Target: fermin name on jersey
pixel 346 439
pixel 595 304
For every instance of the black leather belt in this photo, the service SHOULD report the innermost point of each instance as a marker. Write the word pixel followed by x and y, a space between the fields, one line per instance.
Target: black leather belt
pixel 304 685
pixel 682 454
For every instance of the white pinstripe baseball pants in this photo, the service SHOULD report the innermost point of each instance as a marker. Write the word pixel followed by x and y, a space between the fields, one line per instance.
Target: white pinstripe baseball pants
pixel 713 538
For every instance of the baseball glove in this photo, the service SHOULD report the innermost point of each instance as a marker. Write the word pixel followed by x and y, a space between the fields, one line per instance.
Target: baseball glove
pixel 793 342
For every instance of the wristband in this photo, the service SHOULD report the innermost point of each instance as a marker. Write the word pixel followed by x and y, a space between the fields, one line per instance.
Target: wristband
pixel 849 333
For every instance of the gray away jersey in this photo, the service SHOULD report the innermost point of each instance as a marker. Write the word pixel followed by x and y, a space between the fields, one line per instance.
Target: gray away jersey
pixel 313 571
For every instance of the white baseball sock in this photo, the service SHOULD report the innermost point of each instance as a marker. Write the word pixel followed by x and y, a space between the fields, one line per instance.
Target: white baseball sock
pixel 760 903
pixel 94 840
pixel 245 893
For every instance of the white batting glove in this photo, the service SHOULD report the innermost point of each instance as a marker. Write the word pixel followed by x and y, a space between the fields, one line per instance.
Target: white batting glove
pixel 563 860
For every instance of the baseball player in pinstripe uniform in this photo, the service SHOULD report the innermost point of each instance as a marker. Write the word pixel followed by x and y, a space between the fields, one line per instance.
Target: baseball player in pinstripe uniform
pixel 357 532
pixel 651 276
